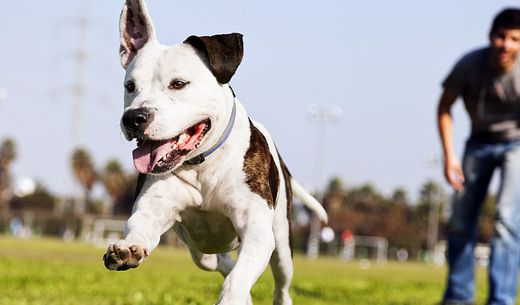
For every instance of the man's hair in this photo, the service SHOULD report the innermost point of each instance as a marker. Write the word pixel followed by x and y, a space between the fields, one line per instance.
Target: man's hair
pixel 509 18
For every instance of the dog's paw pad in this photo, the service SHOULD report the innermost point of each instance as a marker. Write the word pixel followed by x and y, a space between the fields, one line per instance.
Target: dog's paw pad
pixel 121 257
pixel 123 254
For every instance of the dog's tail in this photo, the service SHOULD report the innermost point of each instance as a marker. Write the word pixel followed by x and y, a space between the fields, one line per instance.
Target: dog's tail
pixel 309 201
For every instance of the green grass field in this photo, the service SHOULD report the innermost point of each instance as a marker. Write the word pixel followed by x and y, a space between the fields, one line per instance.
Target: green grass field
pixel 47 271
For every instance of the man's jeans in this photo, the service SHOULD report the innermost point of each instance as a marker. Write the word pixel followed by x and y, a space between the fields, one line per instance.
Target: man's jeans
pixel 479 162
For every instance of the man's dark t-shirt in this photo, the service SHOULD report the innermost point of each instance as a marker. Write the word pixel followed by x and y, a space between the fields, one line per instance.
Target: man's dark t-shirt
pixel 492 101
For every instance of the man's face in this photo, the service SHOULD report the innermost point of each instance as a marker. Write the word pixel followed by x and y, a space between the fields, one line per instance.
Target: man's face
pixel 505 45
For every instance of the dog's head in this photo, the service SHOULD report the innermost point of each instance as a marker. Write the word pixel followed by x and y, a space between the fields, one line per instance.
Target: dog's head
pixel 177 100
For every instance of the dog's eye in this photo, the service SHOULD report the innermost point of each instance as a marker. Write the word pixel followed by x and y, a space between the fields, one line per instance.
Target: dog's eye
pixel 130 86
pixel 177 84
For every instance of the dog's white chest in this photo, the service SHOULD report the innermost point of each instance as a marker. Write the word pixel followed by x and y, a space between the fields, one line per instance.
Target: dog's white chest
pixel 208 232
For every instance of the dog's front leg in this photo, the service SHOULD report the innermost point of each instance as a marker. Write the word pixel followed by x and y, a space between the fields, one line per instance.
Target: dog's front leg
pixel 255 229
pixel 154 213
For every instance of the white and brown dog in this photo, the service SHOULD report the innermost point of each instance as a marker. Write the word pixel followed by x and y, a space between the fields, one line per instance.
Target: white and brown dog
pixel 206 169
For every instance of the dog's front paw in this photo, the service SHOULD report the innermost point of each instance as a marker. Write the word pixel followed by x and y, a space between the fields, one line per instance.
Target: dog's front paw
pixel 121 256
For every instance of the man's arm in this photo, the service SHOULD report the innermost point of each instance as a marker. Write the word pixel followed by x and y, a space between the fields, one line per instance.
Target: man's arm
pixel 452 168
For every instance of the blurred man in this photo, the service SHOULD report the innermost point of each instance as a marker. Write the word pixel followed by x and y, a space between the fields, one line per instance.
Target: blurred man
pixel 488 80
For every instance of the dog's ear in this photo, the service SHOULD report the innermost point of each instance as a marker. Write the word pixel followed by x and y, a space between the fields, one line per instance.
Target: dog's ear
pixel 135 29
pixel 224 53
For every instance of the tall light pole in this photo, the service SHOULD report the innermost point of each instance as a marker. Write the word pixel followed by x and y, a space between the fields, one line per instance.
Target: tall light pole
pixel 321 116
pixel 433 161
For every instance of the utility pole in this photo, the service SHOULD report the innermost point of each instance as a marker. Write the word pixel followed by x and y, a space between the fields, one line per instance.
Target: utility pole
pixel 80 24
pixel 321 116
pixel 78 88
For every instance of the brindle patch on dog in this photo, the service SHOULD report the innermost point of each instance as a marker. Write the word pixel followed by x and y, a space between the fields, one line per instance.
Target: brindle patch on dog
pixel 261 172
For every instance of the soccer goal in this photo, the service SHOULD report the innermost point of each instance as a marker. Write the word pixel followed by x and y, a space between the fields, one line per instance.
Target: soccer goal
pixel 365 247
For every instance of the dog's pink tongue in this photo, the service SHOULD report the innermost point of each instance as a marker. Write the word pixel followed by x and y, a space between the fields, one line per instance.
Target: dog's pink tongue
pixel 148 154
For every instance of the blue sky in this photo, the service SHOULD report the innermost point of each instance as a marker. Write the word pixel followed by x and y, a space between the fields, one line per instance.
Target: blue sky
pixel 382 62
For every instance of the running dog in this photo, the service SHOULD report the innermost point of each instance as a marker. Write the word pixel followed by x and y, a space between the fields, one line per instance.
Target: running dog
pixel 205 168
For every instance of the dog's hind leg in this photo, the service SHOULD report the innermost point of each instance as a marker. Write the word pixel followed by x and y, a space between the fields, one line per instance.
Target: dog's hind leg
pixel 213 262
pixel 282 265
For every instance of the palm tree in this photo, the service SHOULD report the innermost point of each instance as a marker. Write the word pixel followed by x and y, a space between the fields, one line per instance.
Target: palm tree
pixel 83 169
pixel 399 196
pixel 115 181
pixel 7 156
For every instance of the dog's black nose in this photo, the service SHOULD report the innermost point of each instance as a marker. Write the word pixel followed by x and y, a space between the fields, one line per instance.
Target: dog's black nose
pixel 135 121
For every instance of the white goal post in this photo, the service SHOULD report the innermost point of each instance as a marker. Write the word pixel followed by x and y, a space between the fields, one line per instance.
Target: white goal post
pixel 374 247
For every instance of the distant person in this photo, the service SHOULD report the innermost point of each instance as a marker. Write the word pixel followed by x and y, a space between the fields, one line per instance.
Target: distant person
pixel 488 80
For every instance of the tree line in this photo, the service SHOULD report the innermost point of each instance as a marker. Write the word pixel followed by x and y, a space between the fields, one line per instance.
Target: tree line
pixel 364 210
pixel 360 209
pixel 118 185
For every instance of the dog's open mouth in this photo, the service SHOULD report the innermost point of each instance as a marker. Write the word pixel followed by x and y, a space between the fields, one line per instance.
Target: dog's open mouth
pixel 160 156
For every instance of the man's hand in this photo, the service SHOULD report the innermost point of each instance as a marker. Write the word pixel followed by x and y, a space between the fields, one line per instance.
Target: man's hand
pixel 453 173
pixel 452 168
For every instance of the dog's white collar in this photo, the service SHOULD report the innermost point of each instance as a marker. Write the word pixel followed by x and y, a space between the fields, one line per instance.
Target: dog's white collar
pixel 200 158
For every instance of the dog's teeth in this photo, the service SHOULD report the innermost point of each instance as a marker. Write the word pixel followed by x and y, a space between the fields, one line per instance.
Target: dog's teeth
pixel 182 138
pixel 162 161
